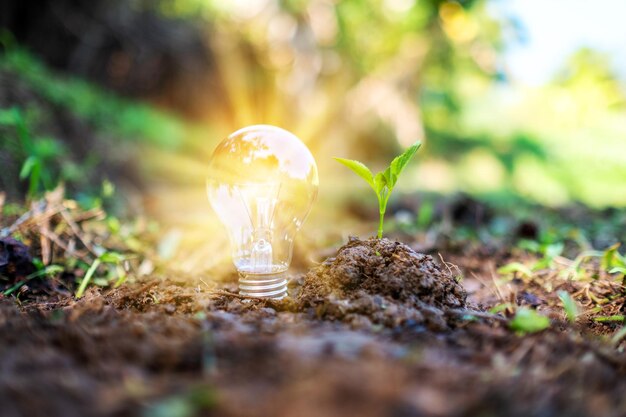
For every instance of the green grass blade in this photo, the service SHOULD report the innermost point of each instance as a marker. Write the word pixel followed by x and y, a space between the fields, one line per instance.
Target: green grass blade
pixel 87 278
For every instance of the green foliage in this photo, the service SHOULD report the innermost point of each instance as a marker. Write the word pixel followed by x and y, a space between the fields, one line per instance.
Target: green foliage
pixel 528 321
pixel 40 155
pixel 617 318
pixel 498 308
pixel 569 305
pixel 426 214
pixel 383 182
pixel 120 118
pixel 547 249
pixel 613 262
pixel 515 267
pixel 110 259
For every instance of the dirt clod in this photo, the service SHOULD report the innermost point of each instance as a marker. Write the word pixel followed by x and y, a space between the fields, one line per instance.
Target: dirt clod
pixel 385 281
pixel 15 260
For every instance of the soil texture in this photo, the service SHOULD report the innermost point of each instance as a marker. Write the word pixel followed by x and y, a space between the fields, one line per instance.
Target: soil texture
pixel 380 281
pixel 167 347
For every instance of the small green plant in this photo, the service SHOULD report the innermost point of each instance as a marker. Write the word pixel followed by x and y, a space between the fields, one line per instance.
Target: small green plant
pixel 383 182
pixel 113 259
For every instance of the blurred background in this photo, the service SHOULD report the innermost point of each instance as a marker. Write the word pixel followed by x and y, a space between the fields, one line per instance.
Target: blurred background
pixel 517 103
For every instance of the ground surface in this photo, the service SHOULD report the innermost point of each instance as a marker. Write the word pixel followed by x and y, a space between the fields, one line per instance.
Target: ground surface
pixel 377 330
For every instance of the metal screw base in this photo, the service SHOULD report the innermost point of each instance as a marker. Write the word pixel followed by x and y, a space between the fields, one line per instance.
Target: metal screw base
pixel 263 285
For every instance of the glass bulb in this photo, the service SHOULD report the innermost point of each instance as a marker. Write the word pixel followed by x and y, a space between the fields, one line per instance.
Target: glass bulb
pixel 262 182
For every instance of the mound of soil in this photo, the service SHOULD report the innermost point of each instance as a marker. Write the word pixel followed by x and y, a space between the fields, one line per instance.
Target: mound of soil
pixel 379 281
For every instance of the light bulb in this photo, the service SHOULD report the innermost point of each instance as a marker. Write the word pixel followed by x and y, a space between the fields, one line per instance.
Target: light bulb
pixel 261 183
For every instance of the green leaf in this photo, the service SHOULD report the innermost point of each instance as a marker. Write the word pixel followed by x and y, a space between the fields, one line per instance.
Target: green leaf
pixel 608 257
pixel 500 308
pixel 7 116
pixel 569 305
pixel 610 319
pixel 399 162
pixel 27 166
pixel 108 188
pixel 47 148
pixel 425 214
pixel 380 182
pixel 612 261
pixel 112 257
pixel 390 178
pixel 360 169
pixel 528 321
pixel 515 267
pixel 553 250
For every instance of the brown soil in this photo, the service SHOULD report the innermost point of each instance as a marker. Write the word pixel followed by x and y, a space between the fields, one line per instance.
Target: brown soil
pixel 168 348
pixel 382 282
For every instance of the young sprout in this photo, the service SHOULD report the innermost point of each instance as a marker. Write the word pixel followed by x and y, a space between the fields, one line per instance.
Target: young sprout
pixel 383 182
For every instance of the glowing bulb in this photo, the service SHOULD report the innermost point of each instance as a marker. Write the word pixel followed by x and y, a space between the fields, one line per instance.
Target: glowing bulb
pixel 262 182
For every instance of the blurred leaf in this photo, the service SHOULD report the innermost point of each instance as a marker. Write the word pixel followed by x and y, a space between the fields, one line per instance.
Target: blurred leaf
pixel 569 305
pixel 514 267
pixel 47 148
pixel 553 250
pixel 609 257
pixel 112 257
pixel 108 188
pixel 528 321
pixel 500 308
pixel 425 214
pixel 7 116
pixel 608 319
pixel 28 166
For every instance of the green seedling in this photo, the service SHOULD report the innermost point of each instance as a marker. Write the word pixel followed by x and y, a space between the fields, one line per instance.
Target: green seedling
pixel 112 258
pixel 383 182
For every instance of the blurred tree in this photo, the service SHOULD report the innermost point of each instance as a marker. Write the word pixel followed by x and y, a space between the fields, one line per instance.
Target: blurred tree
pixel 368 71
pixel 129 46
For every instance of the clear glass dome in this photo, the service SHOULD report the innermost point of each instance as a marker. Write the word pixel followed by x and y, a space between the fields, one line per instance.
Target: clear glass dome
pixel 262 182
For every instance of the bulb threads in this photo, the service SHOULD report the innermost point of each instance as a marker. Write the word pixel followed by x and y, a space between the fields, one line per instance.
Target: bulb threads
pixel 263 285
